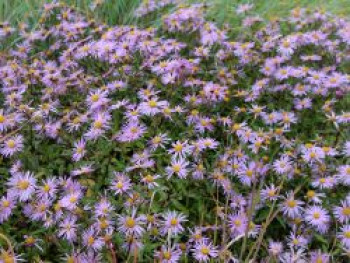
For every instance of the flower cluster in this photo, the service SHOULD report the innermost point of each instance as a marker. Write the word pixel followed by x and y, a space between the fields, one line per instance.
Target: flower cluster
pixel 179 143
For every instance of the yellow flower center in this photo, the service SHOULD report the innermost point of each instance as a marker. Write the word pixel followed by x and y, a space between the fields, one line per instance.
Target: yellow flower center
pixel 130 222
pixel 149 178
pixel 152 103
pixel 176 168
pixel 80 149
pixel 291 203
pixel 237 222
pixel 11 144
pixel 249 173
pixel 173 222
pixel 119 185
pixel 98 124
pixel 317 215
pixel 322 180
pixel 2 118
pixel 271 193
pixel 95 98
pixel 7 257
pixel 310 194
pixel 5 203
pixel 178 148
pixel 348 171
pixel 167 255
pixel 205 250
pixel 157 139
pixel 73 199
pixel 46 188
pixel 76 120
pixel 346 211
pixel 347 234
pixel 29 241
pixel 23 184
pixel 91 240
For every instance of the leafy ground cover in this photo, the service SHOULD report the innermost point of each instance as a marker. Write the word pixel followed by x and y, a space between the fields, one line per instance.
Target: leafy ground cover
pixel 183 142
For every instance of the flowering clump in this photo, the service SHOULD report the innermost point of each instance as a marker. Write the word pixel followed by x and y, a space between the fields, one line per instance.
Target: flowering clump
pixel 181 143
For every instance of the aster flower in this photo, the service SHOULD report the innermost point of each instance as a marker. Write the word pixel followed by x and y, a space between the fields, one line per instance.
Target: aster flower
pixel 269 193
pixel 238 224
pixel 12 145
pixel 275 248
pixel 158 141
pixel 172 222
pixel 204 250
pixel 319 257
pixel 149 181
pixel 180 149
pixel 7 204
pixel 344 174
pixel 47 189
pixel 168 254
pixel 342 212
pixel 131 225
pixel 283 165
pixel 91 240
pixel 68 229
pixel 79 150
pixel 131 131
pixel 317 217
pixel 152 106
pixel 22 186
pixel 291 206
pixel 97 99
pixel 247 174
pixel 120 184
pixel 71 200
pixel 297 241
pixel 344 236
pixel 178 167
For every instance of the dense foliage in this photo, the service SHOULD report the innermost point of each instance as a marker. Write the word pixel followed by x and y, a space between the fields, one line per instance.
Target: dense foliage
pixel 183 143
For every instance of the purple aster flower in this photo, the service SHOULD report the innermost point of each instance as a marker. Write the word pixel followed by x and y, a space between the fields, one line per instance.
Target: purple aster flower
pixel 247 173
pixel 68 229
pixel 269 193
pixel 168 255
pixel 121 183
pixel 180 149
pixel 291 207
pixel 79 150
pixel 275 248
pixel 317 217
pixel 282 165
pixel 178 167
pixel 91 240
pixel 344 236
pixel 7 204
pixel 238 224
pixel 12 145
pixel 342 213
pixel 47 189
pixel 172 221
pixel 131 225
pixel 22 186
pixel 152 106
pixel 204 250
pixel 319 257
pixel 344 174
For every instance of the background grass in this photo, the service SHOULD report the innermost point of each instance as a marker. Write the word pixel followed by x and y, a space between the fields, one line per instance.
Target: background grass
pixel 121 11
